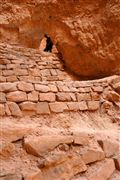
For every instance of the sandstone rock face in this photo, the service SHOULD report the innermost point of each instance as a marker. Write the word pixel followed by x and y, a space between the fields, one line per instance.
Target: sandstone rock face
pixel 86 33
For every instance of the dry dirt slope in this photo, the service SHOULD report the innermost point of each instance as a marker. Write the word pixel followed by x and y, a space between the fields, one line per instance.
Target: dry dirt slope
pixel 54 127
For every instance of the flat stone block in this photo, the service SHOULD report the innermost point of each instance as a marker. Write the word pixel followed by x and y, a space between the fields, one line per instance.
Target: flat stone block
pixel 2 109
pixel 49 97
pixel 58 107
pixel 93 105
pixel 43 108
pixel 28 106
pixel 14 109
pixel 27 87
pixel 17 96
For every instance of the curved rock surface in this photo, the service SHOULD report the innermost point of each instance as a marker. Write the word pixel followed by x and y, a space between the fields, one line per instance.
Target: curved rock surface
pixel 86 33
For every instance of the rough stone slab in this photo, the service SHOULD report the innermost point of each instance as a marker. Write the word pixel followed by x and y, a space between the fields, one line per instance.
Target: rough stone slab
pixel 39 146
pixel 109 147
pixel 8 72
pixel 83 106
pixel 93 105
pixel 8 87
pixel 12 66
pixel 73 106
pixel 58 107
pixel 7 110
pixel 28 106
pixel 2 79
pixel 80 84
pixel 2 109
pixel 45 72
pixel 83 97
pixel 27 87
pixel 2 97
pixel 91 154
pixel 11 79
pixel 43 108
pixel 73 89
pixel 53 72
pixel 64 97
pixel 101 170
pixel 4 61
pixel 65 170
pixel 49 97
pixel 84 90
pixel 78 165
pixel 81 138
pixel 98 89
pixel 14 109
pixel 42 88
pixel 53 159
pixel 53 88
pixel 21 72
pixel 11 132
pixel 33 96
pixel 17 96
pixel 65 88
pixel 2 67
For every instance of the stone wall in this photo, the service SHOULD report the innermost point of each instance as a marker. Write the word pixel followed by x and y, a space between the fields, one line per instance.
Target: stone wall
pixel 34 83
pixel 87 33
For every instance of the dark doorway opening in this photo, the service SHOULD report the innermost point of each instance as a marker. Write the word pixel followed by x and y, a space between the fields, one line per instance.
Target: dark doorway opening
pixel 49 44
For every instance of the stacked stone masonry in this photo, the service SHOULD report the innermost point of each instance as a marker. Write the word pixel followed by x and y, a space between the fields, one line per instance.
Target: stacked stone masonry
pixel 35 83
